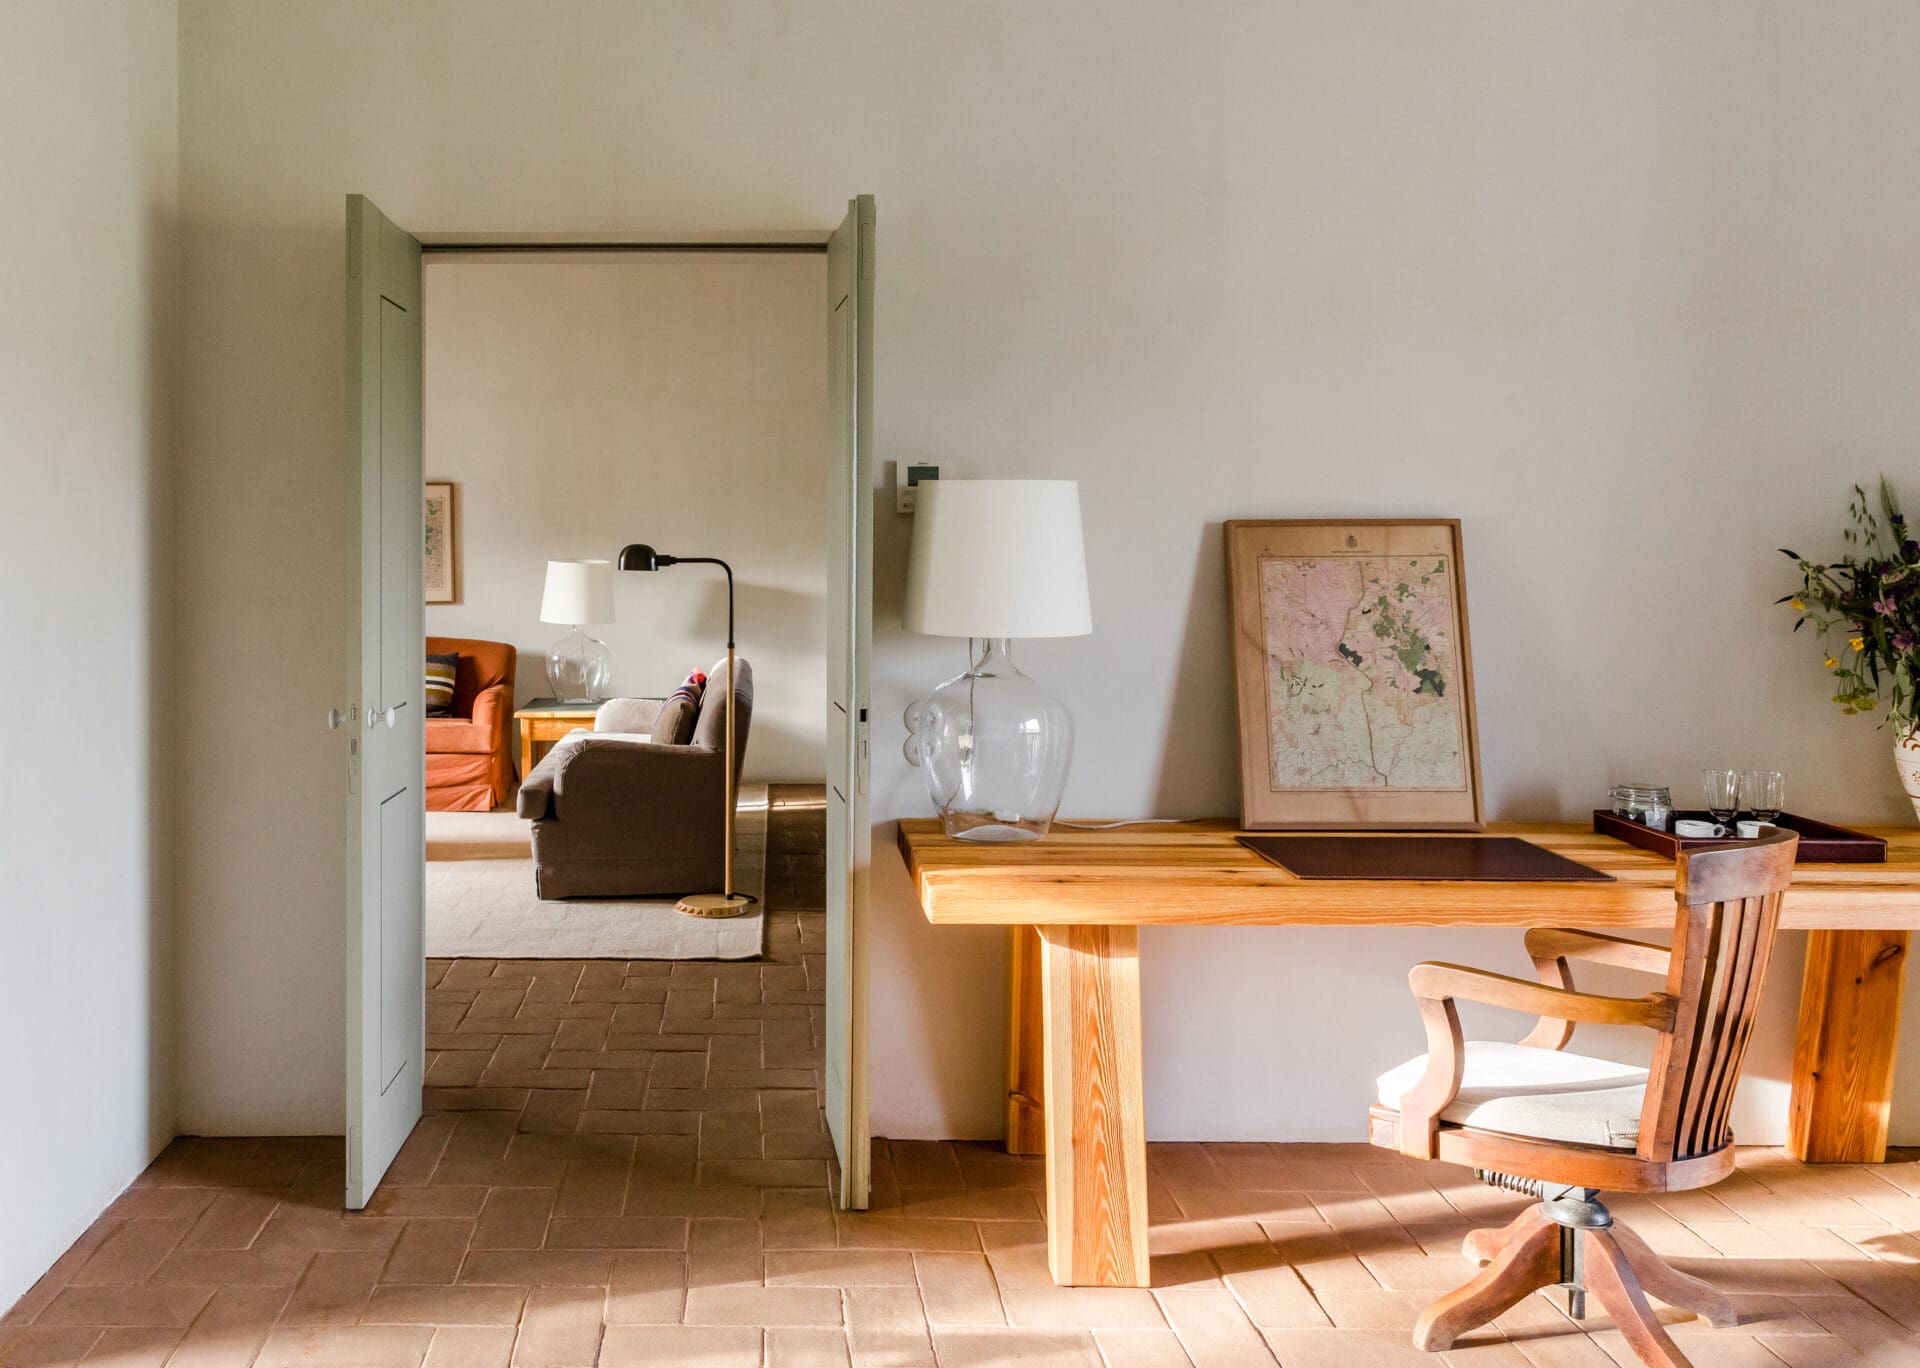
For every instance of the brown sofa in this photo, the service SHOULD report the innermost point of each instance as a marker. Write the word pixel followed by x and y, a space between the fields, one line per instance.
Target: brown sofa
pixel 470 755
pixel 619 818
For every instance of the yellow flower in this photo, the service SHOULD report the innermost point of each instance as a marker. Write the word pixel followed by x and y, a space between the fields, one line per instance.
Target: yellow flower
pixel 1858 643
pixel 1799 606
pixel 1831 662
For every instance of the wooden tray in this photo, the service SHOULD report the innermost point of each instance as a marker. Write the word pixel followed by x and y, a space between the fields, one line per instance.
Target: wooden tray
pixel 1820 842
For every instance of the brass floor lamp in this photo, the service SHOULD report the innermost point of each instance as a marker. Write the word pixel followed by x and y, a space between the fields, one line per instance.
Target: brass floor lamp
pixel 726 903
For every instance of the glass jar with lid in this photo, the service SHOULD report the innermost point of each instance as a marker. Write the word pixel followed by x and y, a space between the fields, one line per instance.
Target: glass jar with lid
pixel 1651 805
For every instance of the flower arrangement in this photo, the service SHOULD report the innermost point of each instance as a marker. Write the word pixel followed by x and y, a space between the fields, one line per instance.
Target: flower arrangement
pixel 1870 600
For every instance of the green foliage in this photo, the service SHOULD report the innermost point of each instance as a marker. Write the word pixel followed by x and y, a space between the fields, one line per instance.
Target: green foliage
pixel 1866 607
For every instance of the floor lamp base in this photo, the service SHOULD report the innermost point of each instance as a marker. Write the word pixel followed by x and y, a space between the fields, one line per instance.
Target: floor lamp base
pixel 714 904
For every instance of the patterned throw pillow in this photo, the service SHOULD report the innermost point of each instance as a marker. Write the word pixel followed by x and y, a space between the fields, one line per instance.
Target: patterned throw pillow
pixel 440 672
pixel 674 725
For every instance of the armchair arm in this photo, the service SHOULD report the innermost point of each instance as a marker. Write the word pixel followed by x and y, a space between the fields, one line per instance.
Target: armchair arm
pixel 1551 948
pixel 493 709
pixel 1436 987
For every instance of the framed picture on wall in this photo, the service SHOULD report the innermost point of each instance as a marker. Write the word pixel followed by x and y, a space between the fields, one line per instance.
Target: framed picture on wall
pixel 438 557
pixel 1353 674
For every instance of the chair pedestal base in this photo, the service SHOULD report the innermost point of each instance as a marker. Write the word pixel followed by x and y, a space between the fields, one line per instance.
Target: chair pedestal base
pixel 1535 1251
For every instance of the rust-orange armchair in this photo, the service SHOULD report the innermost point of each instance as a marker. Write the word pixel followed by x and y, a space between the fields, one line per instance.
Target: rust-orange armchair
pixel 470 755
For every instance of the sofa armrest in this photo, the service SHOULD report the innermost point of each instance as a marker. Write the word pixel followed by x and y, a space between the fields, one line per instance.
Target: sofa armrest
pixel 493 707
pixel 640 792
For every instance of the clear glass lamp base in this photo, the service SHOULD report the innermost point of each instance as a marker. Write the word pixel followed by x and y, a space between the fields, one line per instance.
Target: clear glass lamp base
pixel 995 748
pixel 579 668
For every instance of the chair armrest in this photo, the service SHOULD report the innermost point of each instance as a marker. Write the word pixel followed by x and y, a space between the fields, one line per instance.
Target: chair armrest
pixel 1436 987
pixel 1551 947
pixel 492 706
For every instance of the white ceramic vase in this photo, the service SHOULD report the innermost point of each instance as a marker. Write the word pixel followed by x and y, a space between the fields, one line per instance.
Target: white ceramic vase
pixel 1906 759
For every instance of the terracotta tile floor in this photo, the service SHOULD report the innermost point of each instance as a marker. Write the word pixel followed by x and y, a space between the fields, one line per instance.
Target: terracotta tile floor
pixel 624 1163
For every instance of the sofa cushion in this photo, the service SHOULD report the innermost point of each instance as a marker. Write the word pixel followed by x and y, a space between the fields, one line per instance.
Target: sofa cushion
pixel 1545 1094
pixel 456 735
pixel 673 724
pixel 627 715
pixel 441 670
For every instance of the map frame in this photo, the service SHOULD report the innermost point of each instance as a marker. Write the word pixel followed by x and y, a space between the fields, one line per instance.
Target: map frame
pixel 1267 805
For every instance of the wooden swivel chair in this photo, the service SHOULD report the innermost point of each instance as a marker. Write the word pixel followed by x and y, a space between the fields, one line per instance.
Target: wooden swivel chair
pixel 1562 1127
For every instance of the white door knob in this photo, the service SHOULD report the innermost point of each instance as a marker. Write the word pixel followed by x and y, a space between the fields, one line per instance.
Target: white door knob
pixel 334 718
pixel 373 718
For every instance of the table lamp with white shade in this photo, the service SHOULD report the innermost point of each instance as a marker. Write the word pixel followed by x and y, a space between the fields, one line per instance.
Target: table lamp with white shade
pixel 994 560
pixel 578 593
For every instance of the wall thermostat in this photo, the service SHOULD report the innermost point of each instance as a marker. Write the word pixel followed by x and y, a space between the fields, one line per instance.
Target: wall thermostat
pixel 905 478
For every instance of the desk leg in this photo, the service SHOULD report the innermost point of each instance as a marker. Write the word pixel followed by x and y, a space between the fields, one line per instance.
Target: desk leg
pixel 1095 1127
pixel 526 748
pixel 1026 1067
pixel 1843 1054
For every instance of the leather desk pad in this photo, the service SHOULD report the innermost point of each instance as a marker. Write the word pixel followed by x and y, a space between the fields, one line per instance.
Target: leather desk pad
pixel 1491 859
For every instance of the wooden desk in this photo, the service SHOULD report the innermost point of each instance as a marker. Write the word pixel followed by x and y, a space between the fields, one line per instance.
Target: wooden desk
pixel 1076 902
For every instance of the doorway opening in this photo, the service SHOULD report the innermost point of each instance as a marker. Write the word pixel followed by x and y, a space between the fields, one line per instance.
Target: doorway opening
pixel 575 402
pixel 699 405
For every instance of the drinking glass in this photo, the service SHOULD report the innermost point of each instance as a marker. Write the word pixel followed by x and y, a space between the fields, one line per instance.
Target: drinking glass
pixel 1722 788
pixel 1763 793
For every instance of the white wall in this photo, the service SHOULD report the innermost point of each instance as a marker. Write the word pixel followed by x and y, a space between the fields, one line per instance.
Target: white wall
pixel 90 162
pixel 581 401
pixel 1634 291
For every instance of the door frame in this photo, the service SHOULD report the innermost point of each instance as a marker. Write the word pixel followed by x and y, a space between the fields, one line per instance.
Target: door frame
pixel 799 241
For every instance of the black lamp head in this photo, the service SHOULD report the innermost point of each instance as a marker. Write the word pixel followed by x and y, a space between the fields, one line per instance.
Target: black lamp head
pixel 640 556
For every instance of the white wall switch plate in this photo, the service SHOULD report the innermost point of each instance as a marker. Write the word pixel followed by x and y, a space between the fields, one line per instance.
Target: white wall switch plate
pixel 905 477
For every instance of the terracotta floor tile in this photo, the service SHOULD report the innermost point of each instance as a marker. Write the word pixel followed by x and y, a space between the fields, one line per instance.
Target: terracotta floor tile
pixel 887 1328
pixel 513 1218
pixel 1141 1349
pixel 429 1250
pixel 791 1347
pixel 159 1305
pixel 405 1304
pixel 132 1347
pixel 1016 1349
pixel 228 1333
pixel 763 1306
pixel 647 1288
pixel 132 1252
pixel 957 1289
pixel 335 1289
pixel 560 1328
pixel 1213 1328
pixel 539 1267
pixel 841 1268
pixel 368 1346
pixel 651 1346
pixel 472 1346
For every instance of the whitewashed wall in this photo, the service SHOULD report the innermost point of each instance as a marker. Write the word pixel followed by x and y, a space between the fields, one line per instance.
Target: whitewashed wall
pixel 1633 291
pixel 90 161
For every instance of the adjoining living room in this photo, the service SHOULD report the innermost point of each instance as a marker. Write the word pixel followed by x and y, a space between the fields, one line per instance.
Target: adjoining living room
pixel 578 403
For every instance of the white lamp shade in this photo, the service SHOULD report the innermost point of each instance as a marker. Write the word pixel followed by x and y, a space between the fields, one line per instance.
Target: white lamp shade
pixel 998 558
pixel 578 592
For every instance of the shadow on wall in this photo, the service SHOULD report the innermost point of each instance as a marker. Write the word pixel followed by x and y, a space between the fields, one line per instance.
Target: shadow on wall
pixel 162 385
pixel 1201 730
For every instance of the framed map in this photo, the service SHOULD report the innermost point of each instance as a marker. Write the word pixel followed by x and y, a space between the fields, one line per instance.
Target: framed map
pixel 1353 674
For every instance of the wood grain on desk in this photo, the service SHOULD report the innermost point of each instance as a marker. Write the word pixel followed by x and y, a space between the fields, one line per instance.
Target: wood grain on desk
pixel 1197 873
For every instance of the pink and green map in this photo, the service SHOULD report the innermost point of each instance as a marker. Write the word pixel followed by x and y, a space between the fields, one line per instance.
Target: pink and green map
pixel 1362 673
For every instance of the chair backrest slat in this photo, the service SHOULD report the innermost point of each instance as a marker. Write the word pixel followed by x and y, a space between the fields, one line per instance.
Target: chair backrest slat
pixel 1724 928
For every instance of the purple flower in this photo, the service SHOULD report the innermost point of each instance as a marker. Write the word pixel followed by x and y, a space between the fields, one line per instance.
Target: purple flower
pixel 1885 607
pixel 1903 641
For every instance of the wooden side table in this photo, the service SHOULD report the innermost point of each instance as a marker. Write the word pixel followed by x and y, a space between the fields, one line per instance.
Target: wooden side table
pixel 544 721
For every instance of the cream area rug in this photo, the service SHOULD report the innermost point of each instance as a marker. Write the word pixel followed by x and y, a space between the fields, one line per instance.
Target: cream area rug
pixel 485 908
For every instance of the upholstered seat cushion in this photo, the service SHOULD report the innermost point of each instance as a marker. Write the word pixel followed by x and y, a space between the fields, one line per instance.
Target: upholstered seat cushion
pixel 1546 1094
